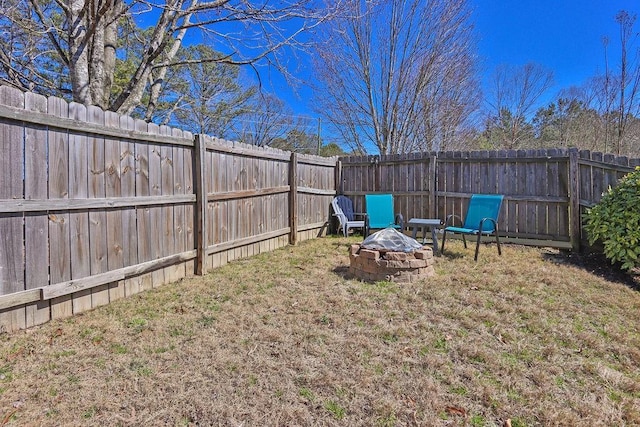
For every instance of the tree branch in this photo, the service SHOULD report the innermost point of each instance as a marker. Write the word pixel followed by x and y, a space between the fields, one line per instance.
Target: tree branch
pixel 54 41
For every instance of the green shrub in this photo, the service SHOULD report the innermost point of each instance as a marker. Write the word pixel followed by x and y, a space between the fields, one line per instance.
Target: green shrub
pixel 615 221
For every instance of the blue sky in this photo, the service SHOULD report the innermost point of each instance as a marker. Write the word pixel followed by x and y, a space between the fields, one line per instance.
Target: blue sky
pixel 564 36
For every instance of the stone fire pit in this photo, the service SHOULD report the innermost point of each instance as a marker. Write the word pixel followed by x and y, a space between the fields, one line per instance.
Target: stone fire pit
pixel 391 256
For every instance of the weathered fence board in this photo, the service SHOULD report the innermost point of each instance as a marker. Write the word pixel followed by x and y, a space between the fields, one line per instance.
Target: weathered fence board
pixel 143 215
pixel 36 224
pixel 155 212
pixel 180 226
pixel 114 217
pixel 189 209
pixel 128 181
pixel 11 225
pixel 167 165
pixel 78 189
pixel 59 222
pixel 97 218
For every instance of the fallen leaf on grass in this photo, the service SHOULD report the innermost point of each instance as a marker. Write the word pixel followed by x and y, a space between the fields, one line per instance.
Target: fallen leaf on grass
pixel 455 410
pixel 409 401
pixel 57 333
pixel 7 417
pixel 15 354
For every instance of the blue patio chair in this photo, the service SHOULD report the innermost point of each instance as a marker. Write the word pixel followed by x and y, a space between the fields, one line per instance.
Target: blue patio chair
pixel 343 210
pixel 380 212
pixel 481 219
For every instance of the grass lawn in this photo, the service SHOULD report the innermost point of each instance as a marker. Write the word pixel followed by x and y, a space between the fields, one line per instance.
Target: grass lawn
pixel 535 337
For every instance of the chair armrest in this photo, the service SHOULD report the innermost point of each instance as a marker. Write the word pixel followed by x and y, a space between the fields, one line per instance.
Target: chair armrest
pixel 400 221
pixel 450 221
pixel 483 220
pixel 341 217
pixel 360 214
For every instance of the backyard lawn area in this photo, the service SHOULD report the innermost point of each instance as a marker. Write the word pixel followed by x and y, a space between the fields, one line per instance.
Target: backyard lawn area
pixel 534 337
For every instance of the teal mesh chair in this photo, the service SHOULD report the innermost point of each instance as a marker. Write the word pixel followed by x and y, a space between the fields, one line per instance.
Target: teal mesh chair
pixel 481 219
pixel 380 212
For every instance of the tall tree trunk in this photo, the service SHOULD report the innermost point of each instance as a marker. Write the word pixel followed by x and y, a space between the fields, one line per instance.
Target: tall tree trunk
pixel 96 65
pixel 78 52
pixel 110 43
pixel 160 74
pixel 132 94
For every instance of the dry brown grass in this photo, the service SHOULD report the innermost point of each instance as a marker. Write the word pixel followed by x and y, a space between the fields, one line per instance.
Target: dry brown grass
pixel 285 339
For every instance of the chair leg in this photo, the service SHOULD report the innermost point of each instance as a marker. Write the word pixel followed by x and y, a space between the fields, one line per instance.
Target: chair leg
pixel 444 237
pixel 464 240
pixel 345 231
pixel 475 258
pixel 434 239
pixel 498 243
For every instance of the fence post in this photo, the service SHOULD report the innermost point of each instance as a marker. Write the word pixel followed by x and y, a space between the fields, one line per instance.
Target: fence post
pixel 575 223
pixel 293 199
pixel 377 183
pixel 338 176
pixel 433 187
pixel 201 204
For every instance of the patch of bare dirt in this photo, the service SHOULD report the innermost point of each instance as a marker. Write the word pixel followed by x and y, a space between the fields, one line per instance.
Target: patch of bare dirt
pixel 596 263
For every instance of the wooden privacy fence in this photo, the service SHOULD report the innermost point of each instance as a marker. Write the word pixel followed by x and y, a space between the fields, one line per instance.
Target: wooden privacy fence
pixel 95 206
pixel 258 199
pixel 546 191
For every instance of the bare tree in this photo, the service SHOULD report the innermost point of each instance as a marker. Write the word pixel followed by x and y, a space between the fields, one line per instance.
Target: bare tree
pixel 394 72
pixel 449 107
pixel 265 121
pixel 614 94
pixel 513 98
pixel 596 94
pixel 628 80
pixel 203 97
pixel 83 37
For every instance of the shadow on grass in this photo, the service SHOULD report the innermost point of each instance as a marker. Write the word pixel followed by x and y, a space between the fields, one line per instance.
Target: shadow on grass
pixel 597 264
pixel 452 255
pixel 342 271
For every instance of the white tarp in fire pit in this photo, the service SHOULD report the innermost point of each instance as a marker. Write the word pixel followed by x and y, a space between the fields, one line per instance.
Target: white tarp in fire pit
pixel 391 239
